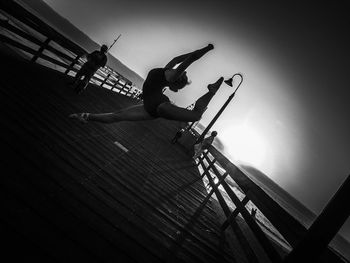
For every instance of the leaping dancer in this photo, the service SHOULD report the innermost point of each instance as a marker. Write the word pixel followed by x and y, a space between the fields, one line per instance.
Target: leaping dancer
pixel 155 103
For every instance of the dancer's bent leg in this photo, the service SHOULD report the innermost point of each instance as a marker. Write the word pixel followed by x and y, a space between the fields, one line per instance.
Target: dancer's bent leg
pixel 169 111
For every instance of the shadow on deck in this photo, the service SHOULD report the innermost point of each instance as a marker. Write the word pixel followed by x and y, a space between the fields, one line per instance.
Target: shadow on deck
pixel 70 194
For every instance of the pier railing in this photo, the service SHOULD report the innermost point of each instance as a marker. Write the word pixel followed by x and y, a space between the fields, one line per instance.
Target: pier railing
pixel 40 43
pixel 219 172
pixel 238 195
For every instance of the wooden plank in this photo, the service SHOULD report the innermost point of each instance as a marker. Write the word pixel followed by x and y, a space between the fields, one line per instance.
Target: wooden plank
pixel 22 217
pixel 15 247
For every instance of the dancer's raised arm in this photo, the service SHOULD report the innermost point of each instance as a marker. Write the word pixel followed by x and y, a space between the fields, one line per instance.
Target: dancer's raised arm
pixel 177 60
pixel 186 60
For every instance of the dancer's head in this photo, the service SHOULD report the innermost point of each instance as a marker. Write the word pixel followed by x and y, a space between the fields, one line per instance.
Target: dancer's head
pixel 179 83
pixel 104 48
pixel 214 133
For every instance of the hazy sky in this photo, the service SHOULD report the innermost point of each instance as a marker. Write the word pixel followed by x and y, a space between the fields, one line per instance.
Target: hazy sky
pixel 290 118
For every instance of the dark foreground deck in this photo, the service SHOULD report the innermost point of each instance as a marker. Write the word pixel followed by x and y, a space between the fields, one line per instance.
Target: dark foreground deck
pixel 70 194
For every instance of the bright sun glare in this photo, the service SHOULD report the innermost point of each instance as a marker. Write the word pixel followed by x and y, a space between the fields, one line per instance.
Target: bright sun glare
pixel 247 146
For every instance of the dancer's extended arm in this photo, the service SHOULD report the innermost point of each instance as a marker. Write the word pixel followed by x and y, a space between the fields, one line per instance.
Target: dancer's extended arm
pixel 177 60
pixel 186 60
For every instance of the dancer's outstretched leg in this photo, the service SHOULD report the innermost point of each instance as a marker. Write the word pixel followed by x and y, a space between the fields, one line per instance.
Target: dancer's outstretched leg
pixel 169 111
pixel 133 113
pixel 165 110
pixel 202 102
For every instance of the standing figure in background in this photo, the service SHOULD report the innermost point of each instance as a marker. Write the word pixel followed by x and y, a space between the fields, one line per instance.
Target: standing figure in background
pixel 200 147
pixel 95 60
pixel 253 212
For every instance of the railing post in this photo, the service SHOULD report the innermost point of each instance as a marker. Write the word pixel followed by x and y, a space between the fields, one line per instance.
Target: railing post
pixel 104 81
pixel 120 89
pixel 41 49
pixel 233 214
pixel 324 228
pixel 250 254
pixel 115 84
pixel 129 91
pixel 72 64
pixel 240 206
pixel 124 87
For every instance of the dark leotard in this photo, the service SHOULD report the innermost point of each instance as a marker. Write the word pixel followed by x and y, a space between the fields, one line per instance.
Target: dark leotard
pixel 152 91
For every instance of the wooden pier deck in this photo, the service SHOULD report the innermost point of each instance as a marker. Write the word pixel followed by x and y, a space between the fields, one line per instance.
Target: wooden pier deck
pixel 69 193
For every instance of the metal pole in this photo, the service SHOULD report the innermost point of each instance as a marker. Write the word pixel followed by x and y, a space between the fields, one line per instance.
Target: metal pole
pixel 115 40
pixel 324 228
pixel 201 137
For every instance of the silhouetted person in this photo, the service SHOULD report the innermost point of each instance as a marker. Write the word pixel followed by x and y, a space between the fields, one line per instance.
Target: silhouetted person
pixel 253 212
pixel 178 135
pixel 155 103
pixel 200 147
pixel 95 60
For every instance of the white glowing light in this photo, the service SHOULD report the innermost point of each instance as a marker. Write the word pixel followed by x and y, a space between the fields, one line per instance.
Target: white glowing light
pixel 247 146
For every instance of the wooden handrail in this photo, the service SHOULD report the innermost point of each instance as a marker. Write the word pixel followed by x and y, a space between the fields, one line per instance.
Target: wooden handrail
pixel 260 235
pixel 15 10
pixel 32 39
pixel 31 51
pixel 23 15
pixel 291 229
pixel 233 214
pixel 246 247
